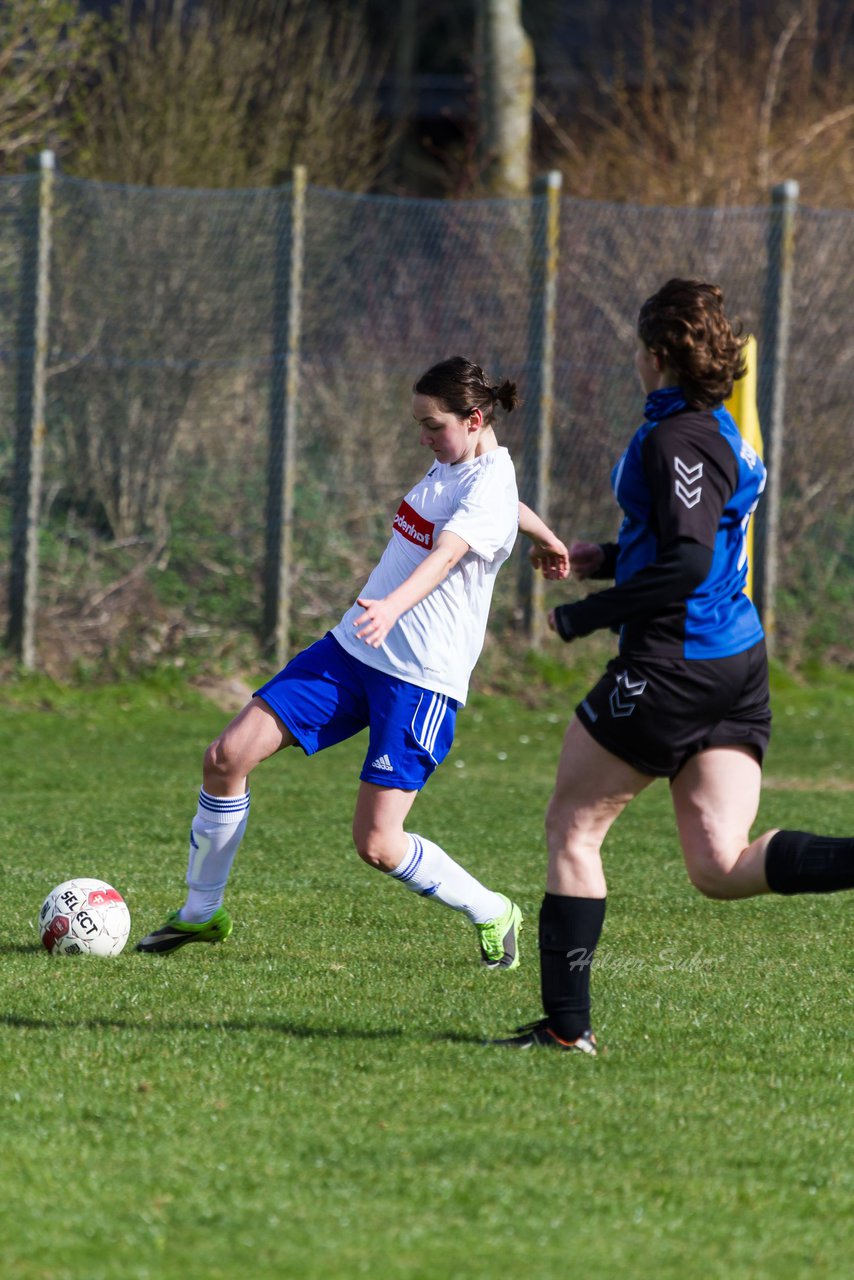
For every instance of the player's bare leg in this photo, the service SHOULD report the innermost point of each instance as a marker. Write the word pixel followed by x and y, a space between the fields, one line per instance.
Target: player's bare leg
pixel 716 800
pixel 426 869
pixel 716 797
pixel 592 789
pixel 255 734
pixel 378 832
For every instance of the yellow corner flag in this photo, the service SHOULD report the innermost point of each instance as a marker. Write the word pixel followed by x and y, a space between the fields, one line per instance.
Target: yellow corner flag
pixel 742 406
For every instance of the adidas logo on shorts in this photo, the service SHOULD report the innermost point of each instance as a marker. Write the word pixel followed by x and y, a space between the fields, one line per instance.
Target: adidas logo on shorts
pixel 383 762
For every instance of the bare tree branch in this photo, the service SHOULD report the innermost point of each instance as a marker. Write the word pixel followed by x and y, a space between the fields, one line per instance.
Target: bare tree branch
pixel 772 82
pixel 788 155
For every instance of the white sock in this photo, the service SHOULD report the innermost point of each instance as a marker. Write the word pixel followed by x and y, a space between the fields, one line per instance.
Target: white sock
pixel 215 836
pixel 427 869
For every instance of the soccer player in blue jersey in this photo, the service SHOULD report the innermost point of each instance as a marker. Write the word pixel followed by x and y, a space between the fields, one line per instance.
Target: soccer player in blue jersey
pixel 687 697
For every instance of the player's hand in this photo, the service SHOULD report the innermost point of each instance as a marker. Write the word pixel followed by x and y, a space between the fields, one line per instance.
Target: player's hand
pixel 551 557
pixel 585 558
pixel 374 624
pixel 551 620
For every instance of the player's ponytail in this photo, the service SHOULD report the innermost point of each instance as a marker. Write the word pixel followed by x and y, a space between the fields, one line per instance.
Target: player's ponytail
pixel 505 394
pixel 461 386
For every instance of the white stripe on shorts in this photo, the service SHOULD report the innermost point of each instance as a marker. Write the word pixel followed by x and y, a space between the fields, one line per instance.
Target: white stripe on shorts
pixel 432 722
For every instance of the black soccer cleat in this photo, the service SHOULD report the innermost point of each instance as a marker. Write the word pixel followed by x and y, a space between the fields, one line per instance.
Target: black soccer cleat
pixel 535 1034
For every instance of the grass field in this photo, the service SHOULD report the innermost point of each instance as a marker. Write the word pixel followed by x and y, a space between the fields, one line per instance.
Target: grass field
pixel 313 1098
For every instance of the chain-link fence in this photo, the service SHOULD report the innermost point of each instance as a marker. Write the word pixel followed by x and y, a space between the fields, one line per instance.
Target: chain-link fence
pixel 169 316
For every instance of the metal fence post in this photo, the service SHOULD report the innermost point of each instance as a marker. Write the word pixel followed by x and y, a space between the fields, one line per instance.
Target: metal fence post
pixel 284 416
pixel 537 456
pixel 30 435
pixel 772 395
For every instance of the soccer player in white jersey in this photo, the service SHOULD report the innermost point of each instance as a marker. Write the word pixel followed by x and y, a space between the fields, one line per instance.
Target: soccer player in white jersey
pixel 398 663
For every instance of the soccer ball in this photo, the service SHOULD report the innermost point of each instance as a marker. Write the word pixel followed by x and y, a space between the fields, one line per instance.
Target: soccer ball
pixel 84 918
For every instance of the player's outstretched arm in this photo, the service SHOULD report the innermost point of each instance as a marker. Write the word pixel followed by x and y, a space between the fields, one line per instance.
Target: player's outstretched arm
pixel 548 553
pixel 379 617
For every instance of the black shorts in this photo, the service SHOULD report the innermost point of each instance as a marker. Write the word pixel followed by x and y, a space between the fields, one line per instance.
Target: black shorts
pixel 656 713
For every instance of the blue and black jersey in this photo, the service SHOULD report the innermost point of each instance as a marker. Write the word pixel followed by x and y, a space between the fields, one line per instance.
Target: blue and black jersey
pixel 687 485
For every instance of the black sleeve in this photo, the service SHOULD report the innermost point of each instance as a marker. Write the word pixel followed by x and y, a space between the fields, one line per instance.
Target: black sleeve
pixel 691 472
pixel 674 575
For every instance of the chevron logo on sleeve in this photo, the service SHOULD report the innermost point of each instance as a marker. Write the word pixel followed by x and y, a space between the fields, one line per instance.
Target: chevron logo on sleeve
pixel 685 477
pixel 624 695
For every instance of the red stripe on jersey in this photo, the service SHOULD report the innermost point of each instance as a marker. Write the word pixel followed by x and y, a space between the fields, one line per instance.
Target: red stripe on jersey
pixel 414 527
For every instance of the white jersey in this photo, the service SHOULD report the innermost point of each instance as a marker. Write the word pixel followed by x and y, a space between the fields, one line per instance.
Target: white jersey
pixel 438 641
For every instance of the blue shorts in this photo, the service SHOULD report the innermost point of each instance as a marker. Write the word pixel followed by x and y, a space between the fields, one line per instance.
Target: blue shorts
pixel 325 695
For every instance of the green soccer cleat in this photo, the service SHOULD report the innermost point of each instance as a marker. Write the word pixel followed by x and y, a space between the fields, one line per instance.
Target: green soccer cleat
pixel 499 938
pixel 176 933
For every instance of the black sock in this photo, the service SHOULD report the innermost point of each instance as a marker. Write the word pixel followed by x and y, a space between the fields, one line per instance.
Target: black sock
pixel 569 932
pixel 798 862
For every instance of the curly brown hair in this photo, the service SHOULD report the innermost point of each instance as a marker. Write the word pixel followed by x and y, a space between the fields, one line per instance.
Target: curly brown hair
pixel 461 386
pixel 685 324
